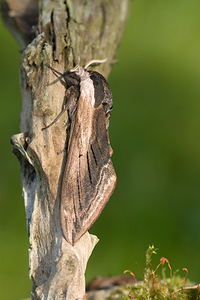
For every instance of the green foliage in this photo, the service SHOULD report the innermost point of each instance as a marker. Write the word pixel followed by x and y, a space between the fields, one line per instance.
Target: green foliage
pixel 156 286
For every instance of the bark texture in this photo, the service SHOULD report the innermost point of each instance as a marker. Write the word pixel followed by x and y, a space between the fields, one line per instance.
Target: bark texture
pixel 45 30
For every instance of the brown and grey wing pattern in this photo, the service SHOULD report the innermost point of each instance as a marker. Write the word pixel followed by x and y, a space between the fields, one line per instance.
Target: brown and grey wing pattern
pixel 89 177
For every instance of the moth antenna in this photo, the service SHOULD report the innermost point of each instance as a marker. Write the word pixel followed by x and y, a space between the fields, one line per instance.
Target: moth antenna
pixel 55 81
pixel 95 61
pixel 59 78
pixel 74 69
pixel 57 72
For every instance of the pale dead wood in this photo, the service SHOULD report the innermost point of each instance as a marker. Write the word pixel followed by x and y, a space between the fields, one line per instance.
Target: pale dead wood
pixel 94 29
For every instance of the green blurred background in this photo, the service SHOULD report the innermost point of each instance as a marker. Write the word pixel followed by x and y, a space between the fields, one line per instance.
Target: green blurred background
pixel 155 134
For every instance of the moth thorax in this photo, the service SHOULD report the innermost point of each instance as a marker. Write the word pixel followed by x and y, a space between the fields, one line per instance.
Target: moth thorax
pixel 87 89
pixel 82 73
pixel 78 70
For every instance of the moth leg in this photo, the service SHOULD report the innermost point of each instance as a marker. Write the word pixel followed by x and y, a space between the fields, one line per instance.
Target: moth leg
pixel 70 96
pixel 68 125
pixel 54 121
pixel 61 151
pixel 67 140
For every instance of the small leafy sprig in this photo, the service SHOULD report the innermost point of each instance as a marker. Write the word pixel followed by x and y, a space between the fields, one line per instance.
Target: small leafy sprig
pixel 157 287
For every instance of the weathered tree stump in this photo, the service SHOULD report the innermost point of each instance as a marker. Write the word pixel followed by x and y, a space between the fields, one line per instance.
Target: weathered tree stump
pixel 46 31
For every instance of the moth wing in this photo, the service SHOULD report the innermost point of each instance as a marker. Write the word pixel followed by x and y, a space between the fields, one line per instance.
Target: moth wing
pixel 89 178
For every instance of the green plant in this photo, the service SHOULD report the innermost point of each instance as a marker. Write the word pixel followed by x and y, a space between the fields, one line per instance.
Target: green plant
pixel 156 286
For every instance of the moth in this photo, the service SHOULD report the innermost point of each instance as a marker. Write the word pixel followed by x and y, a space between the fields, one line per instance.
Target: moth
pixel 89 177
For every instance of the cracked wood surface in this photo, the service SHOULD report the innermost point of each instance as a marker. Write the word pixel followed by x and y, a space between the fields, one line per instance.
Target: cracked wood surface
pixel 45 30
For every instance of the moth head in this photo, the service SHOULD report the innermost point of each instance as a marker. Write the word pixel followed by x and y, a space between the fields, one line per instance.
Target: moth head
pixel 71 76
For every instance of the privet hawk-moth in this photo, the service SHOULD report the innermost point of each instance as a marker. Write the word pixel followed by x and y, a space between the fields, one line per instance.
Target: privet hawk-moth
pixel 89 177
